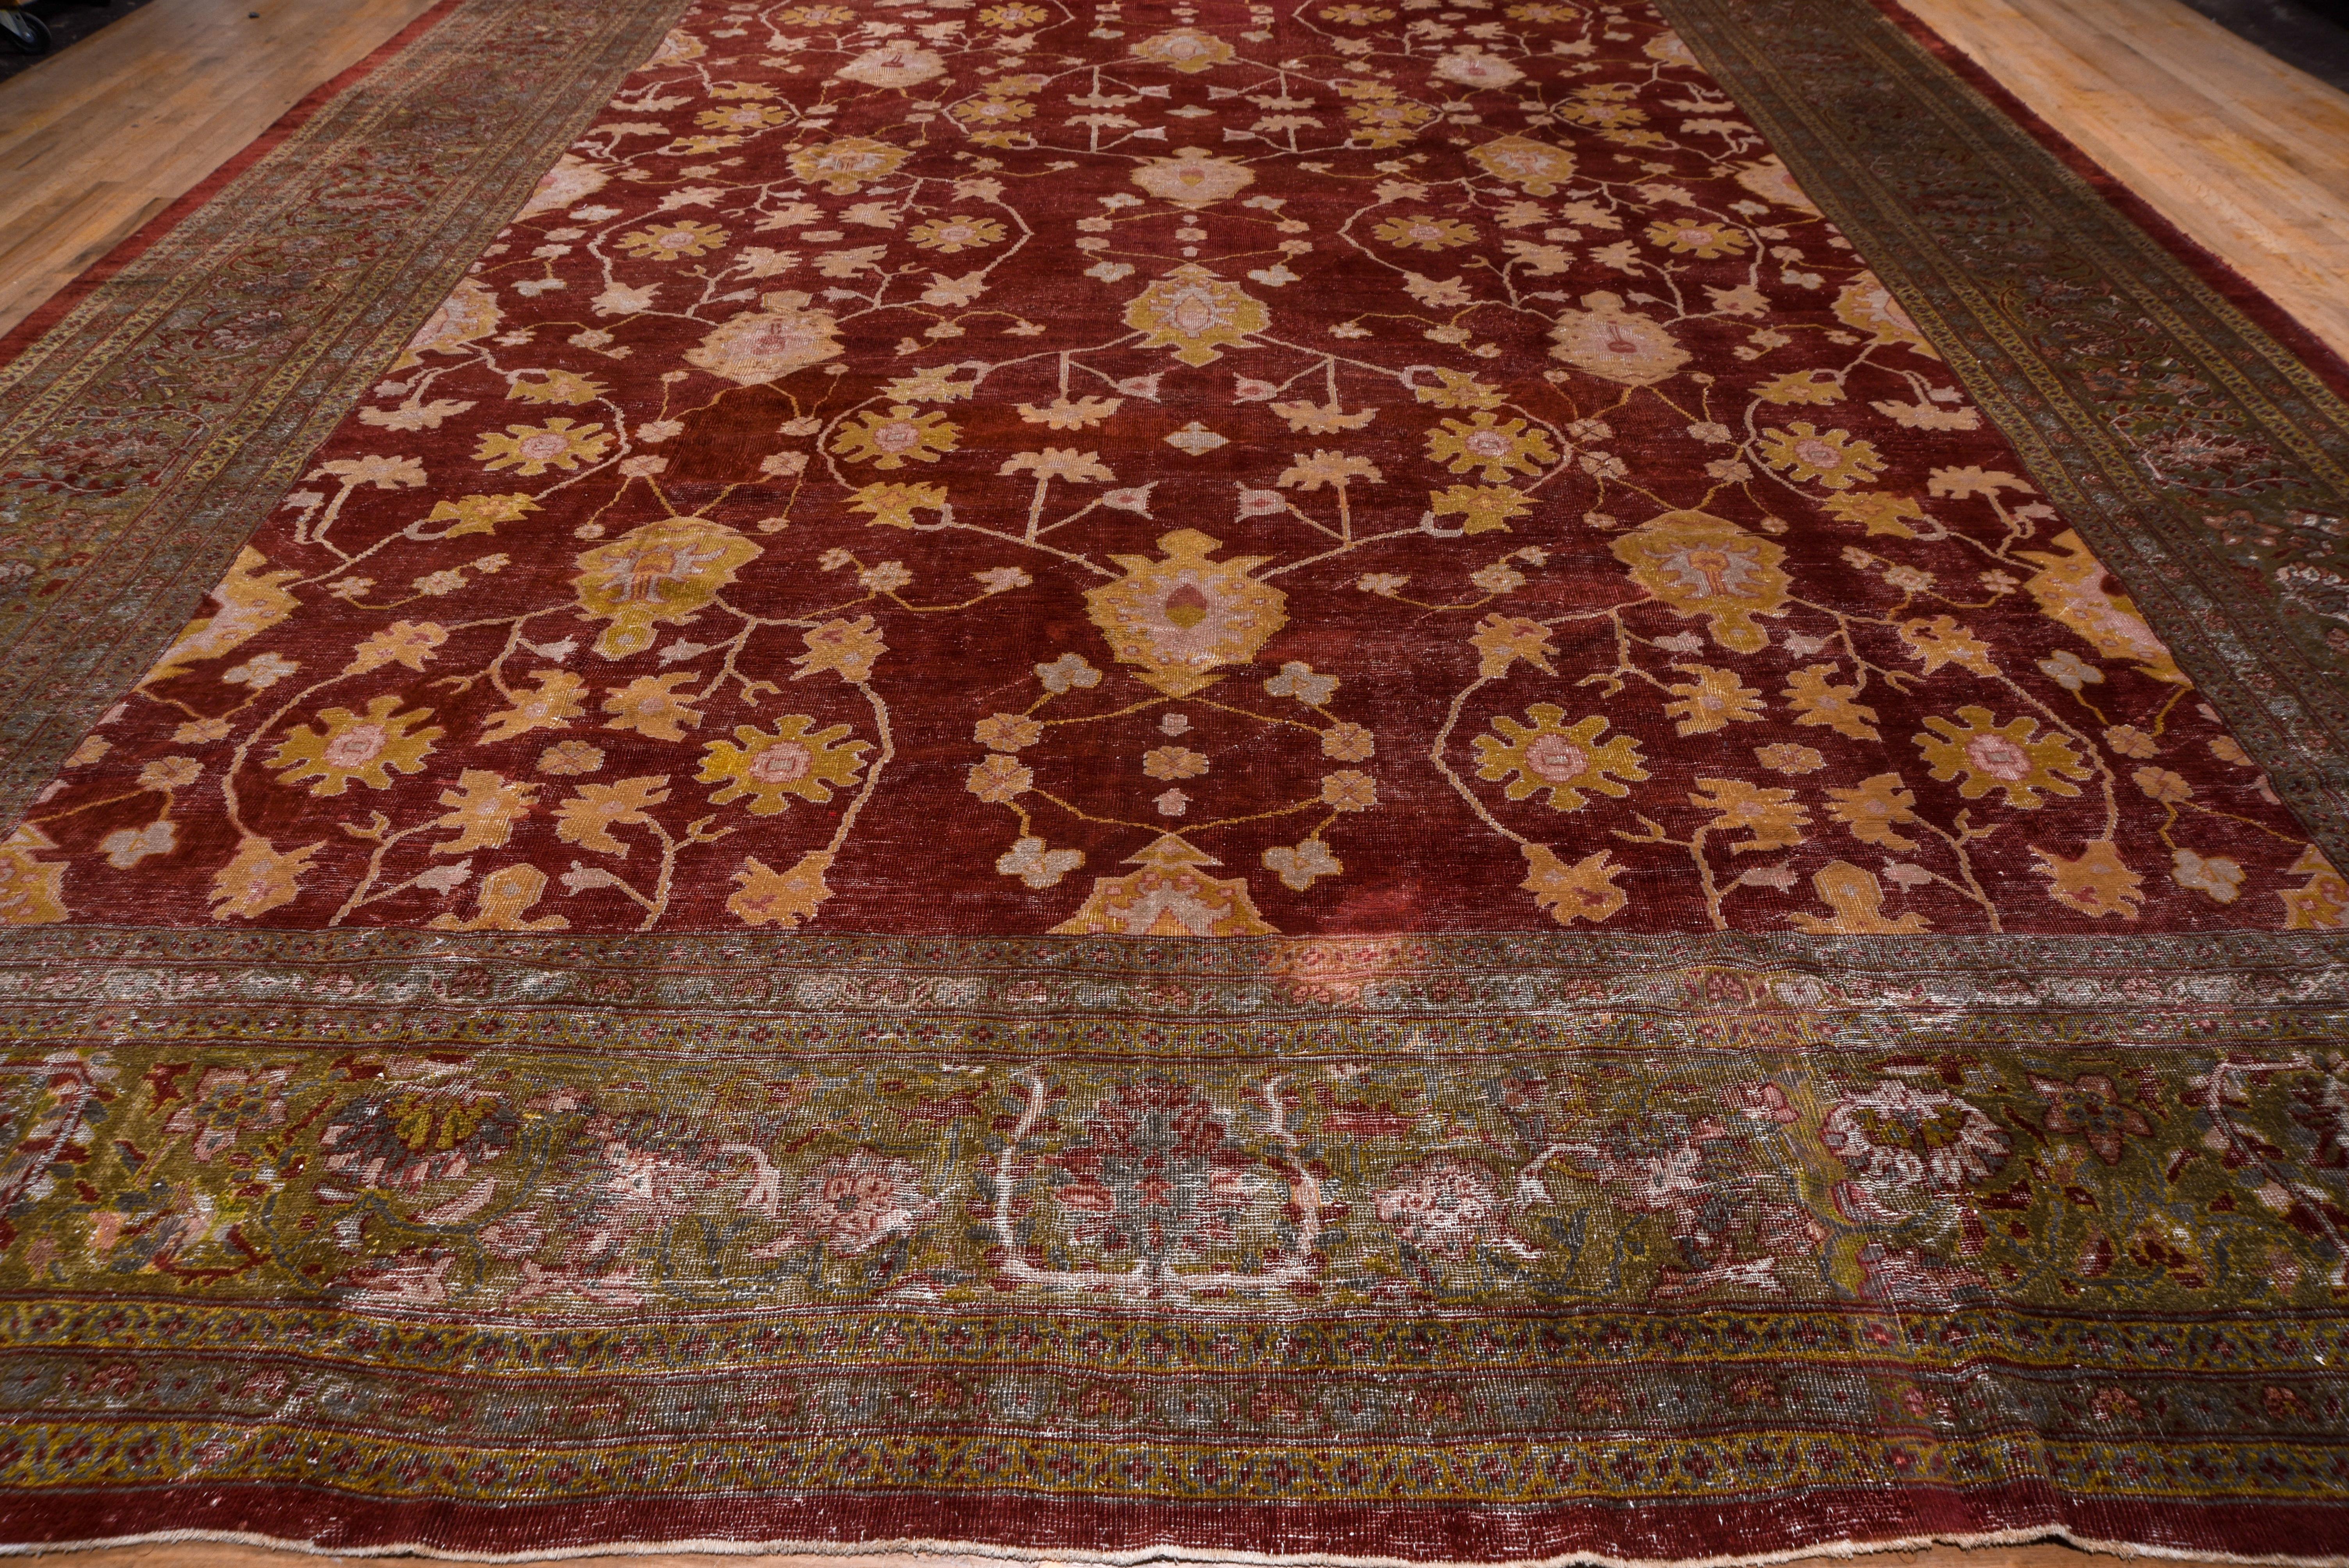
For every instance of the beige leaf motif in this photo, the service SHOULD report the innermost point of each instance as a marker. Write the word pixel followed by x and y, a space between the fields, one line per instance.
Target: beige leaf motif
pixel 788 899
pixel 1857 900
pixel 503 902
pixel 1583 891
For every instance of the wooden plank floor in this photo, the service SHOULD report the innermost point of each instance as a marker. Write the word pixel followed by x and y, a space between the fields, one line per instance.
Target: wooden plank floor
pixel 100 137
pixel 2249 155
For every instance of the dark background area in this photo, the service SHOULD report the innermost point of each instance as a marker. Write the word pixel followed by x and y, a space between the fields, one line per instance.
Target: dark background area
pixel 69 21
pixel 2313 34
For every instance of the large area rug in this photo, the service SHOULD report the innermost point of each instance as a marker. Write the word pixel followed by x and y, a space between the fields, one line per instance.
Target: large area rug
pixel 1345 779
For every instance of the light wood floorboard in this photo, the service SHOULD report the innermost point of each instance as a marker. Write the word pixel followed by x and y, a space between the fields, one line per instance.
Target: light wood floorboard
pixel 2247 155
pixel 103 136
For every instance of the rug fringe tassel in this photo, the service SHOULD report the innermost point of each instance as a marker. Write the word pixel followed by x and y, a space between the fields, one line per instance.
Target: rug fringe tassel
pixel 951 1554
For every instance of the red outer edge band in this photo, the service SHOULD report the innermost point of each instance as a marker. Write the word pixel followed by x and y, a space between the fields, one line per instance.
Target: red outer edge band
pixel 1658 1531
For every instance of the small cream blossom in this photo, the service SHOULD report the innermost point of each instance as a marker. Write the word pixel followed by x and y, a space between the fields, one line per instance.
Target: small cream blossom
pixel 1068 670
pixel 2215 877
pixel 169 773
pixel 261 672
pixel 2071 672
pixel 1007 731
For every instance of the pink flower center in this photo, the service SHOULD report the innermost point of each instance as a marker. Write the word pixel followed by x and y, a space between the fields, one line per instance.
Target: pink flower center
pixel 2000 757
pixel 779 337
pixel 358 746
pixel 785 762
pixel 1194 313
pixel 1556 758
pixel 1187 606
